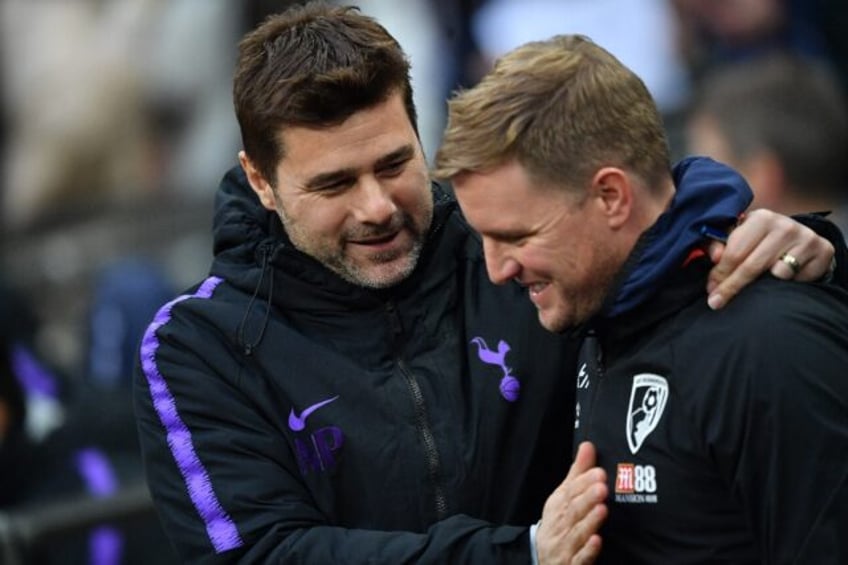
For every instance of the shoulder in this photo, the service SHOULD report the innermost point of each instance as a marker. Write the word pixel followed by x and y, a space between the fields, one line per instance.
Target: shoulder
pixel 203 314
pixel 772 306
pixel 771 328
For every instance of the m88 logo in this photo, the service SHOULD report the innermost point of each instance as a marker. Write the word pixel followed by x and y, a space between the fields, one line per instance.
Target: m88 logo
pixel 635 483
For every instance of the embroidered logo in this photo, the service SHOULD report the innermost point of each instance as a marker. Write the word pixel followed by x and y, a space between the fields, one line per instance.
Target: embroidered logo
pixel 583 377
pixel 297 423
pixel 317 451
pixel 647 402
pixel 509 385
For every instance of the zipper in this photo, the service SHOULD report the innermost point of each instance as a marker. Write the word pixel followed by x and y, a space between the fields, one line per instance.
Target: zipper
pixel 263 256
pixel 431 452
pixel 596 379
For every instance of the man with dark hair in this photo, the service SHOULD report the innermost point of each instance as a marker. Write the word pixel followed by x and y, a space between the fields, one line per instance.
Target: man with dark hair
pixel 347 386
pixel 710 425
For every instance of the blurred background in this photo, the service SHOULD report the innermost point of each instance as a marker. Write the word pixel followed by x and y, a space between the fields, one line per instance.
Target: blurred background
pixel 116 125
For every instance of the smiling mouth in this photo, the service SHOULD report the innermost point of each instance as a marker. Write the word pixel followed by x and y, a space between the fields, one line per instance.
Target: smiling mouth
pixel 533 288
pixel 536 288
pixel 377 241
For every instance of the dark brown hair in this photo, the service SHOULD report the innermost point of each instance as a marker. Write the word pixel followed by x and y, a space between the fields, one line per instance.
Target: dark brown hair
pixel 312 65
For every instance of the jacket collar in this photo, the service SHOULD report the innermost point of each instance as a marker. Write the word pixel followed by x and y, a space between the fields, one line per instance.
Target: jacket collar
pixel 707 194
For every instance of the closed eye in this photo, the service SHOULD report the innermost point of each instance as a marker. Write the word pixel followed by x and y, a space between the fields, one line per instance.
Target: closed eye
pixel 333 186
pixel 393 169
pixel 508 238
pixel 395 162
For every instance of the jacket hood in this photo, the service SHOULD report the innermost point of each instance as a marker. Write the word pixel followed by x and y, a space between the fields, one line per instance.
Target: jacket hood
pixel 707 194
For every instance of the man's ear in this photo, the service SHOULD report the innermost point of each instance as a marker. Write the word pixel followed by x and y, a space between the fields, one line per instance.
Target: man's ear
pixel 257 181
pixel 612 190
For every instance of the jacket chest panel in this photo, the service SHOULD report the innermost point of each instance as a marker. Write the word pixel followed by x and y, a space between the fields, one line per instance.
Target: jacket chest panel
pixel 665 492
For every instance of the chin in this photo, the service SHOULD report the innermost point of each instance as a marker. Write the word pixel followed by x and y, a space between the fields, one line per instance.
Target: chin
pixel 384 275
pixel 552 324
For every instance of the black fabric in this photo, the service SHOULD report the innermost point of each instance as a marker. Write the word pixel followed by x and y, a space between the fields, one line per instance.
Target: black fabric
pixel 829 230
pixel 747 459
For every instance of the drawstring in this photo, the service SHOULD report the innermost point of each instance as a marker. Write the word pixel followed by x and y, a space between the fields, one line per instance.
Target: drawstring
pixel 248 347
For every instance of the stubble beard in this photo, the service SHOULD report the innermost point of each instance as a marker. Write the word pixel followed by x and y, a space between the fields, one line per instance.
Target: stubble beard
pixel 381 270
pixel 591 302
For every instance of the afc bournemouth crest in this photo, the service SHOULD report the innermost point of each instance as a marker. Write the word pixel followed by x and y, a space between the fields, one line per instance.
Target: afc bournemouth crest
pixel 647 402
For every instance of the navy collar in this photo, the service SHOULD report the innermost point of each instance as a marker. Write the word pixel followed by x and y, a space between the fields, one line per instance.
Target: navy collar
pixel 707 193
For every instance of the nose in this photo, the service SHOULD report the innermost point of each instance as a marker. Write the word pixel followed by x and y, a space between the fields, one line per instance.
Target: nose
pixel 500 265
pixel 374 204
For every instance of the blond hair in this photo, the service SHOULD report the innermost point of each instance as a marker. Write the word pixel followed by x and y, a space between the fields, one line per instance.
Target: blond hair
pixel 563 108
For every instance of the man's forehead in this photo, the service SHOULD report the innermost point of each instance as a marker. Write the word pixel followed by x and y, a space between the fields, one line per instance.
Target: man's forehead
pixel 360 141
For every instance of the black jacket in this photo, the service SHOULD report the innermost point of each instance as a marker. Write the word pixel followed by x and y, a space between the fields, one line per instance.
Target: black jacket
pixel 724 434
pixel 288 416
pixel 741 444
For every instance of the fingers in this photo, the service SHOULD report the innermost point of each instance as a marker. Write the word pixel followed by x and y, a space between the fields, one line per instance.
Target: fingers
pixel 570 531
pixel 740 262
pixel 715 250
pixel 583 461
pixel 574 513
pixel 811 259
pixel 787 266
pixel 757 246
pixel 589 552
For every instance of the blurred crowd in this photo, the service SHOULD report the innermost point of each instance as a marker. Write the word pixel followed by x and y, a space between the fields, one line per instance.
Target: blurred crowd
pixel 117 124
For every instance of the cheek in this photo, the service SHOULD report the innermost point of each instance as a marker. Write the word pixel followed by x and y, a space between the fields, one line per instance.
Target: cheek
pixel 319 217
pixel 413 196
pixel 559 261
pixel 415 183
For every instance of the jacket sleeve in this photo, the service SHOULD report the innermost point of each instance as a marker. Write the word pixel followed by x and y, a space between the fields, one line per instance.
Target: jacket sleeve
pixel 226 485
pixel 828 230
pixel 778 425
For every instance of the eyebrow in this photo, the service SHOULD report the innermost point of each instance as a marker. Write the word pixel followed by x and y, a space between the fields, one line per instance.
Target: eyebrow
pixel 401 154
pixel 507 234
pixel 324 179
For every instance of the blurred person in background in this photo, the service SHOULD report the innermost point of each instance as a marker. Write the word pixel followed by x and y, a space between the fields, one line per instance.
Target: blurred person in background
pixel 125 295
pixel 346 385
pixel 15 442
pixel 782 121
pixel 715 32
pixel 61 444
pixel 641 32
pixel 100 109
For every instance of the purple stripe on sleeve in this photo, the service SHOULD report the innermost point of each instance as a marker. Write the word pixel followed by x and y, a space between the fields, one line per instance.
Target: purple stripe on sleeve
pixel 219 526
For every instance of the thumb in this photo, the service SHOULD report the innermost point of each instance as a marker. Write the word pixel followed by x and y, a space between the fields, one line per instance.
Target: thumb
pixel 584 460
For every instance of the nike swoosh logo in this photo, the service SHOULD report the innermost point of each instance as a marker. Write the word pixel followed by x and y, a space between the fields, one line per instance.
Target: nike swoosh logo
pixel 297 423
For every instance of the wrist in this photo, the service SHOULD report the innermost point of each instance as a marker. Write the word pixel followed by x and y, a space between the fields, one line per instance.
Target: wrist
pixel 533 554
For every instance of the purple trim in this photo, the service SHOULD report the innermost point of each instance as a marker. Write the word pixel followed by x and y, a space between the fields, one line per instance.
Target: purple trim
pixel 106 546
pixel 106 543
pixel 32 376
pixel 95 469
pixel 219 526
